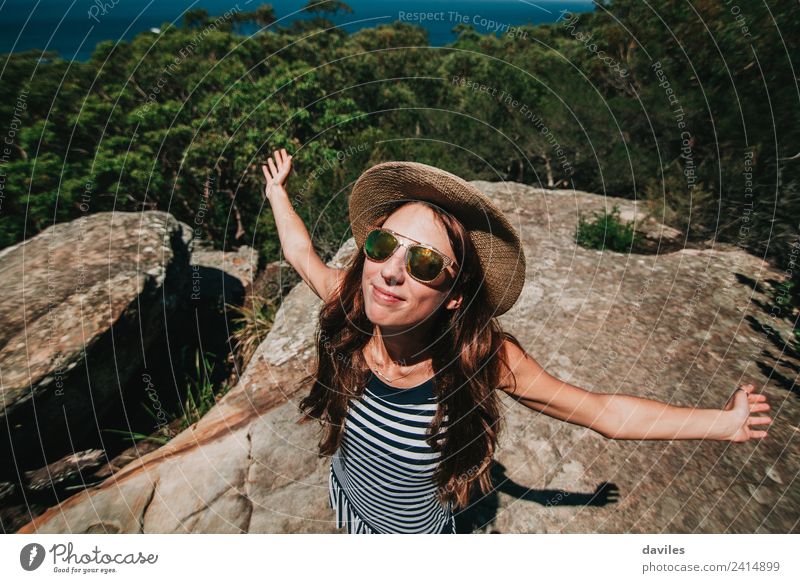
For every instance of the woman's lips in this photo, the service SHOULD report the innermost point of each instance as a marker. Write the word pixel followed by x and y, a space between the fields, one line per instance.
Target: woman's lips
pixel 383 297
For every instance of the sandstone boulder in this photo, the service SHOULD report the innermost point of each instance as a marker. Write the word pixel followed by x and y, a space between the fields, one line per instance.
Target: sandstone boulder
pixel 82 302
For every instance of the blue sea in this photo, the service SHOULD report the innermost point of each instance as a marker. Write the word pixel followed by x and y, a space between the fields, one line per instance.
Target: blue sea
pixel 73 28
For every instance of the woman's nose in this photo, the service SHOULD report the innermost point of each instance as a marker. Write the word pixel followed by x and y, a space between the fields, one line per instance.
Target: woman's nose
pixel 394 268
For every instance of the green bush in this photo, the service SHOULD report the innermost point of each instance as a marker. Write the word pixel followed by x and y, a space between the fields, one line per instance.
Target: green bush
pixel 606 231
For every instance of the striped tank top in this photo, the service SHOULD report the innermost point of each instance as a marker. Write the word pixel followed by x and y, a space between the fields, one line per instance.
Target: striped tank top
pixel 380 478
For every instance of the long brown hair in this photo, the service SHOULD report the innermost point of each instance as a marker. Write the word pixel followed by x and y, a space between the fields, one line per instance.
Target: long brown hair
pixel 467 359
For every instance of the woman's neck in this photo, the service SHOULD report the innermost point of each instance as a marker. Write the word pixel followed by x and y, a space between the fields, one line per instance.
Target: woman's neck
pixel 403 349
pixel 400 353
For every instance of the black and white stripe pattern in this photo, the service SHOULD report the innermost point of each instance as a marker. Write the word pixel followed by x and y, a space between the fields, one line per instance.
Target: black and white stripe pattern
pixel 381 476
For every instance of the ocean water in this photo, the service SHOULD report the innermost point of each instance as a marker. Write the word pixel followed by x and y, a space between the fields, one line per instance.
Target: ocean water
pixel 74 27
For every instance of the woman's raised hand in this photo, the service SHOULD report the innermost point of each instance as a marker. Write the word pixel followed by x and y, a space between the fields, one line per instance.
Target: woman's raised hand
pixel 742 405
pixel 278 171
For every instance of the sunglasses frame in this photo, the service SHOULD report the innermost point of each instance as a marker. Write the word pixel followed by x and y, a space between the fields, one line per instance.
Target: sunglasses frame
pixel 446 261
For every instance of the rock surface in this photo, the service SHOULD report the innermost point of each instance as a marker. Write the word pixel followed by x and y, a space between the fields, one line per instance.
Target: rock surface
pixel 223 276
pixel 76 296
pixel 685 327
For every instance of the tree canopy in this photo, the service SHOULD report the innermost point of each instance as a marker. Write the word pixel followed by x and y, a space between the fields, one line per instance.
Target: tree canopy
pixel 691 107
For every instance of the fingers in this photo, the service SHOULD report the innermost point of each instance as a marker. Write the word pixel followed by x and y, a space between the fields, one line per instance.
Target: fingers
pixel 270 174
pixel 753 434
pixel 286 158
pixel 279 159
pixel 759 407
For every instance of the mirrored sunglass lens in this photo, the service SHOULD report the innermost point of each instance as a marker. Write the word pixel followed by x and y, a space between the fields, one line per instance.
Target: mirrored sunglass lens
pixel 424 263
pixel 379 245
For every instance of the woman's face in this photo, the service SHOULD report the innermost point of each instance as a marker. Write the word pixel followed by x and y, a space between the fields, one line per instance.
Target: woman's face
pixel 418 300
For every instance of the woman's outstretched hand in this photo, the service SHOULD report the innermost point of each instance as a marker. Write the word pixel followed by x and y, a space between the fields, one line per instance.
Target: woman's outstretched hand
pixel 742 404
pixel 278 171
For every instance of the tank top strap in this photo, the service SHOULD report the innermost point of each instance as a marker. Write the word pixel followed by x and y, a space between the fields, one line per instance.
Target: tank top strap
pixel 421 394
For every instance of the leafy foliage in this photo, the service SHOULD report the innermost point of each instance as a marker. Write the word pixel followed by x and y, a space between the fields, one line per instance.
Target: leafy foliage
pixel 606 231
pixel 701 124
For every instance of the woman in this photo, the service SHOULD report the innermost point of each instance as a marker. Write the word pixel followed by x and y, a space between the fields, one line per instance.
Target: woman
pixel 410 353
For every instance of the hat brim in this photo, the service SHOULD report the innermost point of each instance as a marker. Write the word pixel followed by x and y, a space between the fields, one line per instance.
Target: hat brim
pixel 383 187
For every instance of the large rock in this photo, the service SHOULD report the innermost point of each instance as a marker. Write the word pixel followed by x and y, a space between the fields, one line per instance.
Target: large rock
pixel 82 303
pixel 222 276
pixel 684 327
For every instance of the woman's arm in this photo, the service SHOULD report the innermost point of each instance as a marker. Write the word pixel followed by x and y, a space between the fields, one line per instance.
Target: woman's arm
pixel 295 240
pixel 639 418
pixel 532 386
pixel 629 417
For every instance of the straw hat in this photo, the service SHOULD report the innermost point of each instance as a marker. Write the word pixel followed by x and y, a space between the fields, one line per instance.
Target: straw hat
pixel 383 186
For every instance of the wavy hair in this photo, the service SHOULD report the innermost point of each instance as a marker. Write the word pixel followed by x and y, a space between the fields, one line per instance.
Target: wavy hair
pixel 466 358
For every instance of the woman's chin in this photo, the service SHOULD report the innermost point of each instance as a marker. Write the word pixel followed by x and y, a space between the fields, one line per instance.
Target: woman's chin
pixel 380 314
pixel 385 315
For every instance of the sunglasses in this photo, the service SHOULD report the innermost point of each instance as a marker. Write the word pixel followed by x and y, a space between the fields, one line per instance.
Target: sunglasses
pixel 423 262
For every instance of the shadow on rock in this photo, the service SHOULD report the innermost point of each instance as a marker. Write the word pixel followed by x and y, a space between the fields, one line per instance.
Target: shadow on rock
pixel 482 510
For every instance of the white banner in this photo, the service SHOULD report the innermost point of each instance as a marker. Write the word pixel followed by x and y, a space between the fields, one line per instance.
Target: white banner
pixel 388 558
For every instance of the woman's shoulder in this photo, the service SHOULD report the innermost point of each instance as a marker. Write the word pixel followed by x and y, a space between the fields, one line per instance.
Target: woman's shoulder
pixel 512 358
pixel 510 348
